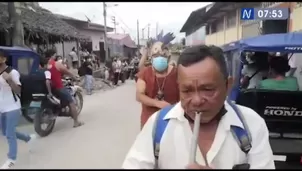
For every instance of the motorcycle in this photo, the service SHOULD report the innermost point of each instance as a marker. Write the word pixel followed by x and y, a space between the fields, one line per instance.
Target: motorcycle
pixel 47 108
pixel 133 69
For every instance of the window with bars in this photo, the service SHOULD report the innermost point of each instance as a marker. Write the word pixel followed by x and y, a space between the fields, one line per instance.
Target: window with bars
pixel 231 19
pixel 220 24
pixel 25 65
pixel 208 30
pixel 213 27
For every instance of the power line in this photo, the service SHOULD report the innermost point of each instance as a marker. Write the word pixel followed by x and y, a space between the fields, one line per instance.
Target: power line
pixel 121 20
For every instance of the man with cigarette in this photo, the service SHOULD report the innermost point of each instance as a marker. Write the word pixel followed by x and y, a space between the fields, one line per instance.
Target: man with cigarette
pixel 226 136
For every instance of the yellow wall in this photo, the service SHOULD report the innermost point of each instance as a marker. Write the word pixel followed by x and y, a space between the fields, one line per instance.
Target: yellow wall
pixel 231 34
pixel 211 39
pixel 220 38
pixel 227 35
pixel 296 19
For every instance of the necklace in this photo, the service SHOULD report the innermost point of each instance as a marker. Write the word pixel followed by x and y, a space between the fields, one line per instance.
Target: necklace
pixel 160 93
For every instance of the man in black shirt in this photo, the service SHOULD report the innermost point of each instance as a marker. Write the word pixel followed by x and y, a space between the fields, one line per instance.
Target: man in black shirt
pixel 88 82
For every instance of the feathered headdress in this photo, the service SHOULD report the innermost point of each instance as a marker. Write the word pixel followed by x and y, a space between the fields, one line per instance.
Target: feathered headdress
pixel 159 46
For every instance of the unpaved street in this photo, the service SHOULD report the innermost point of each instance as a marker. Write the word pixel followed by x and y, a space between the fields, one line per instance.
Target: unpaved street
pixel 111 124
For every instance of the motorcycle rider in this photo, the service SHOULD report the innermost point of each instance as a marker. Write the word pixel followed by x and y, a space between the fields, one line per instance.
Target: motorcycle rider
pixel 43 68
pixel 57 69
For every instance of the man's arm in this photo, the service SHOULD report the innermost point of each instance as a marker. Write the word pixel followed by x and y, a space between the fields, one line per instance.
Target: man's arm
pixel 89 65
pixel 141 92
pixel 143 59
pixel 48 81
pixel 64 70
pixel 141 154
pixel 14 82
pixel 261 155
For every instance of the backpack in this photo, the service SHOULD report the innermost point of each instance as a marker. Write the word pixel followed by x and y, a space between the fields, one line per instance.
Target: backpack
pixel 242 136
pixel 37 79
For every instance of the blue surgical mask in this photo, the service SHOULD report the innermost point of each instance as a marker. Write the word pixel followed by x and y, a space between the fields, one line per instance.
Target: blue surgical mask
pixel 160 63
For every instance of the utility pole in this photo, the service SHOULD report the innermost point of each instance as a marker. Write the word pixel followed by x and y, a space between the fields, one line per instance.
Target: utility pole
pixel 123 30
pixel 148 30
pixel 15 19
pixel 105 34
pixel 138 33
pixel 143 33
pixel 114 22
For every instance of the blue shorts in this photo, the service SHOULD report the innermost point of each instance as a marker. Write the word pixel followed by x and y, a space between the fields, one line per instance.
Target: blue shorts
pixel 64 95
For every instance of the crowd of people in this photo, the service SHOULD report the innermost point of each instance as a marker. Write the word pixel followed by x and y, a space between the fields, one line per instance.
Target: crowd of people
pixel 173 93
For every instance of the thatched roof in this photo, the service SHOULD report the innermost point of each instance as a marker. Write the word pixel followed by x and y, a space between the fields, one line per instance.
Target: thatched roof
pixel 39 22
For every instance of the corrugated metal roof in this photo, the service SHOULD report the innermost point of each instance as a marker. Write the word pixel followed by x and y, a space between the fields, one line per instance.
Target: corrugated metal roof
pixel 124 39
pixel 117 36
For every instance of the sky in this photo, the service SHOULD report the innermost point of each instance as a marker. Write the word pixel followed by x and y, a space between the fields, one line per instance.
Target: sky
pixel 169 16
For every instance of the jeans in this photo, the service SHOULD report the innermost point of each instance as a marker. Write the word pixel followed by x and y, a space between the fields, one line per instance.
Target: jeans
pixel 9 122
pixel 88 83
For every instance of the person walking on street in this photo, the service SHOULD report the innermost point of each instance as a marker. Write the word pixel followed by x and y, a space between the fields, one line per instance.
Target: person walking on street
pixel 230 136
pixel 156 86
pixel 74 57
pixel 10 110
pixel 116 66
pixel 88 80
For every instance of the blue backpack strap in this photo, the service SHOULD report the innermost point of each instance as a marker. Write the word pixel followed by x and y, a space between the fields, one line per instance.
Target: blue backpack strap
pixel 241 135
pixel 160 125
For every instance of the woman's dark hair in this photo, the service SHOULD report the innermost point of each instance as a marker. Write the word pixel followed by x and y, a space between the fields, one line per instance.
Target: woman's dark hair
pixel 279 65
pixel 43 61
pixel 86 57
pixel 58 56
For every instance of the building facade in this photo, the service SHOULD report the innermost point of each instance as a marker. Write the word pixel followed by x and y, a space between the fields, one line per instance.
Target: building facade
pixel 197 37
pixel 225 25
pixel 95 33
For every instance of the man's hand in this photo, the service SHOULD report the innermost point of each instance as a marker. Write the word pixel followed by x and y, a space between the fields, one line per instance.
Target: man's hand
pixel 197 166
pixel 144 51
pixel 76 78
pixel 161 104
pixel 6 76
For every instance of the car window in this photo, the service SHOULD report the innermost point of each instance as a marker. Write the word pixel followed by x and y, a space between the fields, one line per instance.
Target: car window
pixel 25 65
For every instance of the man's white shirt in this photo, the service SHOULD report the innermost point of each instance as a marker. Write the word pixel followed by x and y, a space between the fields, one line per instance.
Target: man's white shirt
pixel 224 153
pixel 7 101
pixel 74 56
pixel 47 74
pixel 257 77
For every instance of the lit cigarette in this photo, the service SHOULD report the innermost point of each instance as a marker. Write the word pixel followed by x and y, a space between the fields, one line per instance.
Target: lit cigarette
pixel 194 141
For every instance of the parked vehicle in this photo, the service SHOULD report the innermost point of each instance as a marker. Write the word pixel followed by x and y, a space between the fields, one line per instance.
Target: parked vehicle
pixel 282 110
pixel 30 64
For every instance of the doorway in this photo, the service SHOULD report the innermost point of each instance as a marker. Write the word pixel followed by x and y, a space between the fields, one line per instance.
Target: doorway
pixel 87 46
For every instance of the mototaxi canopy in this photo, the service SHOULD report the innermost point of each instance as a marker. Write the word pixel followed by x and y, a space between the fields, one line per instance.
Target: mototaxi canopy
pixel 230 46
pixel 281 42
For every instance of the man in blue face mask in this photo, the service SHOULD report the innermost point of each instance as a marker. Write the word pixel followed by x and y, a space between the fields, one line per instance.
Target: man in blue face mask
pixel 156 86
